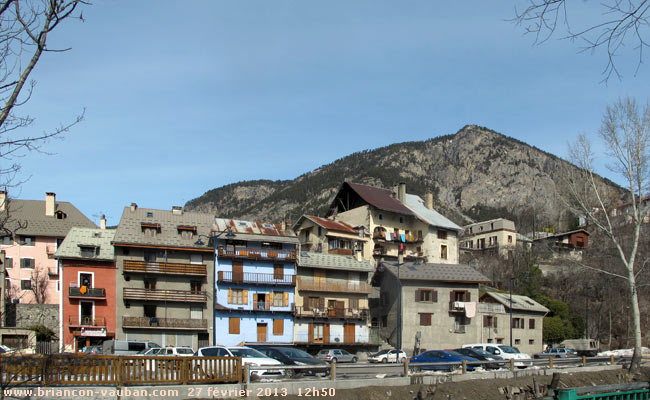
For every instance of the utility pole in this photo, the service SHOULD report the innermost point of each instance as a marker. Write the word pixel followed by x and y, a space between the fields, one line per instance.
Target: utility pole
pixel 512 278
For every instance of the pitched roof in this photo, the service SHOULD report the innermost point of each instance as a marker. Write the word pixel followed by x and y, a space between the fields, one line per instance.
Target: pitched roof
pixel 436 272
pixel 32 212
pixel 86 237
pixel 337 226
pixel 523 303
pixel 255 231
pixel 130 230
pixel 334 261
pixel 431 217
pixel 382 199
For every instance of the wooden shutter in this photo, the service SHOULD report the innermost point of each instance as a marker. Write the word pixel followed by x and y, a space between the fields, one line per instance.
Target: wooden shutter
pixel 310 335
pixel 285 299
pixel 531 323
pixel 452 296
pixel 417 295
pixel 278 327
pixel 229 296
pixel 485 320
pixel 321 303
pixel 512 322
pixel 305 303
pixel 326 333
pixel 435 296
pixel 245 296
pixel 494 320
pixel 278 271
pixel 467 296
pixel 234 326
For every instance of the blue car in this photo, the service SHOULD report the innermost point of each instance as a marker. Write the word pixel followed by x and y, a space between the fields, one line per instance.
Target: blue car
pixel 442 356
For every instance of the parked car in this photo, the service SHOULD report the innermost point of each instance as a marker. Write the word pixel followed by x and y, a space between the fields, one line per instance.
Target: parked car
pixel 249 356
pixel 481 355
pixel 505 352
pixel 442 356
pixel 94 350
pixel 154 351
pixel 176 351
pixel 336 355
pixel 387 355
pixel 291 356
pixel 126 347
pixel 556 352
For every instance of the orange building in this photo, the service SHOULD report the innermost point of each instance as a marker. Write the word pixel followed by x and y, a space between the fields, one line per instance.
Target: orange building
pixel 88 285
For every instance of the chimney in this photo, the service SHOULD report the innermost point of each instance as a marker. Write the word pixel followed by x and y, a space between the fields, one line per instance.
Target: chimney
pixel 3 201
pixel 401 194
pixel 428 200
pixel 283 225
pixel 177 210
pixel 134 207
pixel 50 199
pixel 102 222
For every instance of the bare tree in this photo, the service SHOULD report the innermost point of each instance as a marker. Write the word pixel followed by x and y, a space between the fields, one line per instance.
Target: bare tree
pixel 623 22
pixel 625 133
pixel 40 282
pixel 24 29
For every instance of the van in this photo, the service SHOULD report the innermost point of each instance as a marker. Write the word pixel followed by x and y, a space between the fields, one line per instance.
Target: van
pixel 126 347
pixel 584 347
pixel 505 352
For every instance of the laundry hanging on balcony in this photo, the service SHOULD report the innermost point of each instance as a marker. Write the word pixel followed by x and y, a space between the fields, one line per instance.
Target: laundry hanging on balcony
pixel 402 236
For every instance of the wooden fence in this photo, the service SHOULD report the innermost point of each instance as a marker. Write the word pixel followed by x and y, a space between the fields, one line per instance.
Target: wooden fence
pixel 72 369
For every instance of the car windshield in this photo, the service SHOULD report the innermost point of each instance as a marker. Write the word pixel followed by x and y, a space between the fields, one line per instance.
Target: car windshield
pixel 295 353
pixel 481 352
pixel 381 352
pixel 508 349
pixel 246 353
pixel 184 350
pixel 323 352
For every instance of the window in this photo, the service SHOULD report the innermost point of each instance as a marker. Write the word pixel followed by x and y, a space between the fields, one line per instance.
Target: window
pixel 26 284
pixel 419 235
pixel 442 234
pixel 186 234
pixel 278 271
pixel 89 251
pixel 195 286
pixel 237 296
pixel 531 341
pixel 233 326
pixel 150 284
pixel 380 216
pixel 517 341
pixel 320 231
pixel 489 321
pixel 401 220
pixel 272 246
pixel 518 323
pixel 150 232
pixel 499 340
pixel 7 240
pixel 425 319
pixel 531 323
pixel 426 296
pixel 318 332
pixel 384 321
pixel 27 263
pixel 278 299
pixel 354 304
pixel 443 252
pixel 149 214
pixel 492 241
pixel 196 259
pixel 27 240
pixel 149 311
pixel 509 238
pixel 9 262
pixel 278 327
pixel 460 321
pixel 60 215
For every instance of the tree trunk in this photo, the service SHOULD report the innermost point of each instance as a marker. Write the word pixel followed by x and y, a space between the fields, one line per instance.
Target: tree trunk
pixel 635 364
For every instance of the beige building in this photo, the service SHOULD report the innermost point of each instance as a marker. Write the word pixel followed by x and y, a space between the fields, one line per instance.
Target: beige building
pixel 437 309
pixel 164 277
pixel 321 235
pixel 497 234
pixel 397 224
pixel 332 302
pixel 527 321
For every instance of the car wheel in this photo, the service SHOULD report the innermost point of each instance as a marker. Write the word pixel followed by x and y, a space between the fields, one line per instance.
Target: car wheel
pixel 354 359
pixel 384 360
pixel 333 360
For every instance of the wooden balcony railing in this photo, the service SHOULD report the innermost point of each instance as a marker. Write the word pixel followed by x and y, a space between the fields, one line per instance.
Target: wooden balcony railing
pixel 165 295
pixel 327 285
pixel 94 293
pixel 75 320
pixel 256 278
pixel 155 323
pixel 257 254
pixel 344 313
pixel 342 252
pixel 165 268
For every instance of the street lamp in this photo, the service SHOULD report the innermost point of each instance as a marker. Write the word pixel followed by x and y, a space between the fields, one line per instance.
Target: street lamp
pixel 229 235
pixel 512 278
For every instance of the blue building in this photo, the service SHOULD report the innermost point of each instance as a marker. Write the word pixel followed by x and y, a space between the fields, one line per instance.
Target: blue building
pixel 255 278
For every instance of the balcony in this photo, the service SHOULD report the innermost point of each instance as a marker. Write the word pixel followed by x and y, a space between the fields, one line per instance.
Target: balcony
pixel 165 323
pixel 456 306
pixel 75 320
pixel 267 305
pixel 325 285
pixel 53 271
pixel 410 238
pixel 186 296
pixel 256 278
pixel 257 254
pixel 89 293
pixel 342 252
pixel 341 313
pixel 165 268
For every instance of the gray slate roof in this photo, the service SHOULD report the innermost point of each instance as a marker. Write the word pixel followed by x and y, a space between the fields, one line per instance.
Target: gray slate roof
pixel 519 302
pixel 70 248
pixel 38 224
pixel 130 232
pixel 255 231
pixel 334 261
pixel 436 272
pixel 432 217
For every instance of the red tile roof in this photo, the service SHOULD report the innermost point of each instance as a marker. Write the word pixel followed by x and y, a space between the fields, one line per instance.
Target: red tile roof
pixel 381 198
pixel 333 225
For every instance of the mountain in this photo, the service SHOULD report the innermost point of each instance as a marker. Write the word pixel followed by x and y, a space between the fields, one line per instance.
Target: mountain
pixel 475 174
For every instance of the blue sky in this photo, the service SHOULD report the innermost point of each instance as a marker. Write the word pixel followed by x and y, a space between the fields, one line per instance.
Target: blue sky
pixel 183 97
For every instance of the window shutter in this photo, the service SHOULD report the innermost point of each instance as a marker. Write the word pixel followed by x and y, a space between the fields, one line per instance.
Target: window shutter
pixel 245 296
pixel 229 296
pixel 278 327
pixel 270 299
pixel 435 296
pixel 310 335
pixel 234 326
pixel 531 323
pixel 485 320
pixel 494 319
pixel 285 299
pixel 417 294
pixel 512 322
pixel 326 333
pixel 452 296
pixel 467 296
pixel 22 263
pixel 278 271
pixel 305 303
pixel 321 303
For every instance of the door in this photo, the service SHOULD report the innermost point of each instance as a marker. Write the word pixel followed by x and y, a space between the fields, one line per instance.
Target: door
pixel 319 279
pixel 237 271
pixel 348 333
pixel 86 280
pixel 340 309
pixel 261 333
pixel 86 312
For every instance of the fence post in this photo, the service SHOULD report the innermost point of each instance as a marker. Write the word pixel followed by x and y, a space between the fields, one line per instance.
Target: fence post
pixel 550 362
pixel 611 360
pixel 185 369
pixel 247 372
pixel 464 363
pixel 406 367
pixel 512 364
pixel 333 370
pixel 584 361
pixel 567 395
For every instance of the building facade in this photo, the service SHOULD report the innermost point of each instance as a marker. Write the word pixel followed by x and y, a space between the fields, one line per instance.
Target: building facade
pixel 321 235
pixel 499 235
pixel 398 224
pixel 87 263
pixel 164 277
pixel 332 302
pixel 255 272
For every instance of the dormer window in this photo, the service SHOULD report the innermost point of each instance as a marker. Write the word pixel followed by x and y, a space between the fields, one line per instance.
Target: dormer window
pixel 149 214
pixel 60 215
pixel 150 230
pixel 89 251
pixel 186 232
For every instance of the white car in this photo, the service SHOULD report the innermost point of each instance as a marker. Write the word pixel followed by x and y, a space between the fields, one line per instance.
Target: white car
pixel 249 356
pixel 386 356
pixel 176 351
pixel 505 352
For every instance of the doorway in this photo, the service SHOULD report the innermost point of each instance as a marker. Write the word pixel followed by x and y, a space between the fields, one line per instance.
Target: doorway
pixel 261 333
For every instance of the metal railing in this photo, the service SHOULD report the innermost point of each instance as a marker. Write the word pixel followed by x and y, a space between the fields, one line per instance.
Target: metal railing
pixel 155 322
pixel 256 278
pixel 256 254
pixel 88 292
pixel 75 320
pixel 165 268
pixel 347 313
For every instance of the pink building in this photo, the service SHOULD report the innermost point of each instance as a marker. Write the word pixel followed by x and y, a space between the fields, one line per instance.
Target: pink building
pixel 33 231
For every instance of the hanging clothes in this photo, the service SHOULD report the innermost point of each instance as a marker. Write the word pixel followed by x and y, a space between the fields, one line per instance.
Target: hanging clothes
pixel 403 237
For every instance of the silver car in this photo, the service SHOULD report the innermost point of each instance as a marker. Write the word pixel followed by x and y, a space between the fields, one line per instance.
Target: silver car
pixel 336 355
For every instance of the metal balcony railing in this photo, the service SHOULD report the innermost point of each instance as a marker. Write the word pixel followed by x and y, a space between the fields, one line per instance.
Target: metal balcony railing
pixel 256 254
pixel 256 278
pixel 76 320
pixel 87 292
pixel 343 313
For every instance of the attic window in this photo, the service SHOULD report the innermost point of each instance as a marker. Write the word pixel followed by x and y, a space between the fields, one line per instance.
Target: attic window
pixel 149 214
pixel 242 223
pixel 60 215
pixel 268 226
pixel 186 232
pixel 89 250
pixel 149 229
